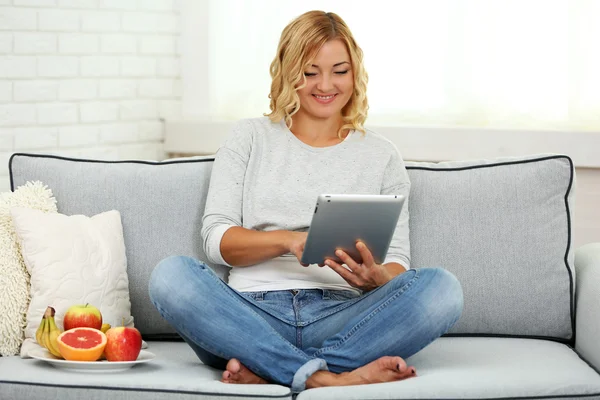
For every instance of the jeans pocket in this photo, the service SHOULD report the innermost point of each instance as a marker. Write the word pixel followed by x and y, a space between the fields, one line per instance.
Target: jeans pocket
pixel 342 295
pixel 256 296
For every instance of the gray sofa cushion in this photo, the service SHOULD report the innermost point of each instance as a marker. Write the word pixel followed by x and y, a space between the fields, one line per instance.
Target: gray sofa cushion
pixel 450 368
pixel 503 227
pixel 175 374
pixel 483 368
pixel 161 206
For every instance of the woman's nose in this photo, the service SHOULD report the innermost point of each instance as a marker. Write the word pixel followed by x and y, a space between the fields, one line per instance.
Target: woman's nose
pixel 325 84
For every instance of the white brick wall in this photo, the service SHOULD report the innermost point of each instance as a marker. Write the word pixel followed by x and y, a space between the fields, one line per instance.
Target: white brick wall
pixel 87 78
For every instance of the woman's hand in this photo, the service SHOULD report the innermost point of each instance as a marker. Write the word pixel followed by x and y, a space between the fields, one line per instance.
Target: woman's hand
pixel 366 276
pixel 295 243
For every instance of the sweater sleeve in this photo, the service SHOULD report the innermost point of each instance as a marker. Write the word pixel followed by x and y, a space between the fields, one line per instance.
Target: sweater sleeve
pixel 397 182
pixel 225 194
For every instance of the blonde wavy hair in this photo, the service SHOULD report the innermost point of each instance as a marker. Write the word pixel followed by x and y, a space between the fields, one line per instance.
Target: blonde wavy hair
pixel 300 42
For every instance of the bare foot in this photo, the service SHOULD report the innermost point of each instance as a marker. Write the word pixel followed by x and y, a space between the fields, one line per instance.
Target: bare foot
pixel 384 369
pixel 236 372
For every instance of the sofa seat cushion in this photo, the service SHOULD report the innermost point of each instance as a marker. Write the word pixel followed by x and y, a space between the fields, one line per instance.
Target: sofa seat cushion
pixel 483 368
pixel 457 367
pixel 175 373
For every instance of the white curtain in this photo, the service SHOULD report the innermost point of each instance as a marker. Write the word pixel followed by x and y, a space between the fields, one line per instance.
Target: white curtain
pixel 526 64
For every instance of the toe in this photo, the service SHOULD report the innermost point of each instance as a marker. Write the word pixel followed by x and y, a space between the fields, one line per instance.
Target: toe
pixel 395 363
pixel 409 372
pixel 233 366
pixel 225 377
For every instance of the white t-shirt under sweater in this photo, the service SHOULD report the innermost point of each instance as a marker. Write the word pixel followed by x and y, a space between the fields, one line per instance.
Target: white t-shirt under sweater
pixel 265 178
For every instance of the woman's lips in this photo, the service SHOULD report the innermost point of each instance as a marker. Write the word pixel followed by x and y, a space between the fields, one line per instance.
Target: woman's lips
pixel 324 99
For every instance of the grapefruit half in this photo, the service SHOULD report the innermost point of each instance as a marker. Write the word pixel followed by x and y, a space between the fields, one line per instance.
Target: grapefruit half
pixel 81 344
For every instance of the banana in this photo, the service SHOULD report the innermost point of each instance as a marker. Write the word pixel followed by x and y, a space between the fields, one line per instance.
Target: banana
pixel 40 332
pixel 54 332
pixel 47 333
pixel 104 328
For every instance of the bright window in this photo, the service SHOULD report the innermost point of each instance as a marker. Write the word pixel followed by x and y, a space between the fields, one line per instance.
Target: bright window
pixel 525 64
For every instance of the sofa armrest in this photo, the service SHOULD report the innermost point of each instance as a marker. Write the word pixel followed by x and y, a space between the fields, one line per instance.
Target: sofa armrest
pixel 587 300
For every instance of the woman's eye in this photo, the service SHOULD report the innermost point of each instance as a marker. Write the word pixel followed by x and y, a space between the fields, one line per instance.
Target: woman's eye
pixel 308 74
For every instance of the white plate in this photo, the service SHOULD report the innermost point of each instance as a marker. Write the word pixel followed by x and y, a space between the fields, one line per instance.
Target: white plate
pixel 90 366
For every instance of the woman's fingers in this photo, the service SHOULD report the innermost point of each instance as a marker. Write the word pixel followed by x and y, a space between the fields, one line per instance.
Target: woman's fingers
pixel 367 257
pixel 363 275
pixel 349 261
pixel 298 254
pixel 348 276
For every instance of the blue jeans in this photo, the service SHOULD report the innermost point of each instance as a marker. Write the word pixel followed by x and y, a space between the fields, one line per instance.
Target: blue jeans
pixel 286 336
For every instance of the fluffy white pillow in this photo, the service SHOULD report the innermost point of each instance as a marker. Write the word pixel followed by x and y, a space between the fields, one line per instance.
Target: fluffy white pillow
pixel 73 260
pixel 14 278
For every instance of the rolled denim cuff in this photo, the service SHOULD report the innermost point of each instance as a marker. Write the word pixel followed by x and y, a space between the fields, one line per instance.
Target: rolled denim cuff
pixel 305 371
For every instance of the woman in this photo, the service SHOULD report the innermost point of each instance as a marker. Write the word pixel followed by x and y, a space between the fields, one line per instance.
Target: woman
pixel 277 321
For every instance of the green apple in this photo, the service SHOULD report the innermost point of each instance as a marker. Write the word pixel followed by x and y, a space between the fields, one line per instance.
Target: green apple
pixel 82 315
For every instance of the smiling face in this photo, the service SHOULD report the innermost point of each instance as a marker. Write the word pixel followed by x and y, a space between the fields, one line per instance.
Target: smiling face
pixel 329 83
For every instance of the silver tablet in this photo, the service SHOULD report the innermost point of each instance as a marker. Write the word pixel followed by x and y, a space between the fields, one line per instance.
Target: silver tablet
pixel 340 220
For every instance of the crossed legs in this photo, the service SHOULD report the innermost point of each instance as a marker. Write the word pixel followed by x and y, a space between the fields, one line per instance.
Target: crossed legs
pixel 379 330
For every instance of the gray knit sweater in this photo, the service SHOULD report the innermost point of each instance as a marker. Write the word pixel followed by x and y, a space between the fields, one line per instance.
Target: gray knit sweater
pixel 264 178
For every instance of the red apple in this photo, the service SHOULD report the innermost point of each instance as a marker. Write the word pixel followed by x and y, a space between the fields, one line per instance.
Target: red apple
pixel 82 315
pixel 122 344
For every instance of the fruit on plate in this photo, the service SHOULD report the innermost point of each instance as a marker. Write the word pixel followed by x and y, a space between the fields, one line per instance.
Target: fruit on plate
pixel 81 344
pixel 82 315
pixel 39 334
pixel 104 328
pixel 47 333
pixel 122 344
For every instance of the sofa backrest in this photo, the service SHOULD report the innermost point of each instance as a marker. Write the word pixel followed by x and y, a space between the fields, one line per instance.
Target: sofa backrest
pixel 161 206
pixel 501 226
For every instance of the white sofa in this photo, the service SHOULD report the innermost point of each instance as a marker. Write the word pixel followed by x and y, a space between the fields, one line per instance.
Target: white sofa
pixel 531 322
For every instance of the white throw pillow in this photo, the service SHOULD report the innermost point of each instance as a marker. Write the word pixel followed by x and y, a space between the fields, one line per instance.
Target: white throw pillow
pixel 14 278
pixel 73 260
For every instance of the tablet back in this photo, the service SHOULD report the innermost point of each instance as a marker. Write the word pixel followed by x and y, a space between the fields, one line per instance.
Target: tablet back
pixel 340 220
